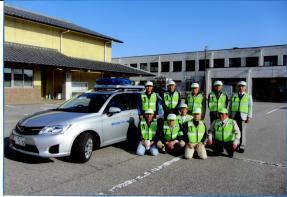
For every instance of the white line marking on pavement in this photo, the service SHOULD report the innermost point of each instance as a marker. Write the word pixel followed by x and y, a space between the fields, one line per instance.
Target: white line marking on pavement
pixel 11 106
pixel 261 162
pixel 274 110
pixel 145 174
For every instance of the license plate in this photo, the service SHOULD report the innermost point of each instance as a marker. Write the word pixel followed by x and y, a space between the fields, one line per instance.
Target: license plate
pixel 19 140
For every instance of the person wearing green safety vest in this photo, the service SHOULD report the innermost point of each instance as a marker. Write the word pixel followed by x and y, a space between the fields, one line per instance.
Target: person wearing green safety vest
pixel 241 109
pixel 196 136
pixel 183 116
pixel 148 134
pixel 216 100
pixel 171 136
pixel 196 99
pixel 224 134
pixel 149 100
pixel 171 99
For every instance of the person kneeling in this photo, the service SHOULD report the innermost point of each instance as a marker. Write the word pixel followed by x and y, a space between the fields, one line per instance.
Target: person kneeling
pixel 225 132
pixel 196 136
pixel 171 136
pixel 148 133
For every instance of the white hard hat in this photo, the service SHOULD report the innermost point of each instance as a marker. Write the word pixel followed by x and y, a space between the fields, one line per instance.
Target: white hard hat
pixel 196 111
pixel 217 83
pixel 242 83
pixel 183 105
pixel 194 85
pixel 170 82
pixel 149 111
pixel 149 83
pixel 171 117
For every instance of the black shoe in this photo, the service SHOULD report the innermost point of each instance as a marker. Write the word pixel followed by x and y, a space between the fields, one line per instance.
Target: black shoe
pixel 240 150
pixel 162 150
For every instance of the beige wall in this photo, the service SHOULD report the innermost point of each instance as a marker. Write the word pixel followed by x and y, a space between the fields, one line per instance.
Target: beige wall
pixel 86 77
pixel 73 44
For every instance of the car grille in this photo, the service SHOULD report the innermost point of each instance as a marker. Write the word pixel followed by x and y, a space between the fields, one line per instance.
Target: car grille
pixel 28 130
pixel 27 147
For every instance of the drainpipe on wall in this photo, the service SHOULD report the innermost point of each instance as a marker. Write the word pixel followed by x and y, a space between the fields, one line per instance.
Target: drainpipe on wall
pixel 105 53
pixel 61 37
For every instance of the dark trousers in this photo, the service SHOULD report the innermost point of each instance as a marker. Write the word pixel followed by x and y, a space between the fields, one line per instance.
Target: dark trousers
pixel 219 146
pixel 240 123
pixel 213 116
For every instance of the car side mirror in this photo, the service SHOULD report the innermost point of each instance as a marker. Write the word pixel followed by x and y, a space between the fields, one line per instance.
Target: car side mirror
pixel 114 110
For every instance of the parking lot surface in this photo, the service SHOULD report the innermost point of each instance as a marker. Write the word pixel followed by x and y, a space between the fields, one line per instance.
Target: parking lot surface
pixel 115 170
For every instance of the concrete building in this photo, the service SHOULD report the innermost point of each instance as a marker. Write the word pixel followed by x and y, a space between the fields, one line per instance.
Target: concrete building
pixel 51 58
pixel 264 69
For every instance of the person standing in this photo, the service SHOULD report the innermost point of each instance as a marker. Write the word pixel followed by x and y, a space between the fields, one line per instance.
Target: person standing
pixel 216 100
pixel 171 99
pixel 224 134
pixel 183 116
pixel 149 100
pixel 148 134
pixel 196 136
pixel 241 111
pixel 196 99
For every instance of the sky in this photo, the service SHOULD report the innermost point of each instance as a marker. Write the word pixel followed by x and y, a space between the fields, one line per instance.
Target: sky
pixel 170 26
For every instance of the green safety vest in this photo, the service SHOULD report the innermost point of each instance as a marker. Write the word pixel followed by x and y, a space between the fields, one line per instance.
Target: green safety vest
pixel 171 133
pixel 149 102
pixel 195 134
pixel 224 133
pixel 194 102
pixel 171 101
pixel 240 105
pixel 180 120
pixel 215 104
pixel 148 132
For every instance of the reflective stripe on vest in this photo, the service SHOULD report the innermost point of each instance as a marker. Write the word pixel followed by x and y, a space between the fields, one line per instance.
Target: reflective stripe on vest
pixel 181 121
pixel 171 133
pixel 195 134
pixel 215 104
pixel 148 132
pixel 148 102
pixel 224 133
pixel 194 102
pixel 171 101
pixel 240 105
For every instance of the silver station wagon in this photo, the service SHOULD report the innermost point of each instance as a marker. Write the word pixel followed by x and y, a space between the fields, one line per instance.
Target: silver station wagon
pixel 78 126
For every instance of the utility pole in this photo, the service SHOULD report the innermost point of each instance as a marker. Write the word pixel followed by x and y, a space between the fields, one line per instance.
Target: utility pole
pixel 205 53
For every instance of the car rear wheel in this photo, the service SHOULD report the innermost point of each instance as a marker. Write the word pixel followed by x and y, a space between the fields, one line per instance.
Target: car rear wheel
pixel 83 148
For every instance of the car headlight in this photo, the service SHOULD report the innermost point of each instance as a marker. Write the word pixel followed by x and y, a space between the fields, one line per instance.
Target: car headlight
pixel 53 130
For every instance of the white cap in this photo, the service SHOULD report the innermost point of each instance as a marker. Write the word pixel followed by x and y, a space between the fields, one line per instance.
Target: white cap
pixel 183 105
pixel 149 83
pixel 170 82
pixel 242 83
pixel 217 83
pixel 194 85
pixel 171 117
pixel 196 111
pixel 149 111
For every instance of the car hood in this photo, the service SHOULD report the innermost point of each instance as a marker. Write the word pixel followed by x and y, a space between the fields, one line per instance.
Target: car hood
pixel 53 117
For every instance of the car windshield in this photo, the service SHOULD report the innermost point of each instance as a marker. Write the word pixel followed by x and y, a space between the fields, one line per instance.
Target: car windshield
pixel 84 103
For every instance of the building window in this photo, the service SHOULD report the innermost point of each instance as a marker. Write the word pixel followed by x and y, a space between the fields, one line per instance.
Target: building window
pixel 134 65
pixel 218 63
pixel 190 65
pixel 154 67
pixel 177 66
pixel 18 77
pixel 234 62
pixel 8 77
pixel 164 66
pixel 143 66
pixel 284 60
pixel 270 60
pixel 203 64
pixel 252 61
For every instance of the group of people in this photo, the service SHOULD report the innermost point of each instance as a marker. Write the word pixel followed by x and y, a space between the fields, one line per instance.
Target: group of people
pixel 174 125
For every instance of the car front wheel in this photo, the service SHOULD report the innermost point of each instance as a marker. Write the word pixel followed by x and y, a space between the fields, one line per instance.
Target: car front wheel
pixel 82 148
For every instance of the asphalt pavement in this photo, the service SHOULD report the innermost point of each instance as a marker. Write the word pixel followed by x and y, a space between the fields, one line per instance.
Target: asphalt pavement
pixel 115 170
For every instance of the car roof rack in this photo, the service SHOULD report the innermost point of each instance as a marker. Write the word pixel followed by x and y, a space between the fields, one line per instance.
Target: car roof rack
pixel 117 88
